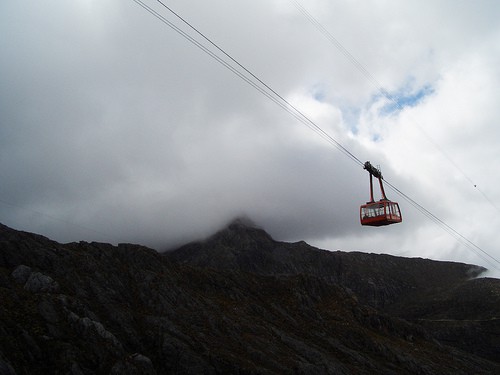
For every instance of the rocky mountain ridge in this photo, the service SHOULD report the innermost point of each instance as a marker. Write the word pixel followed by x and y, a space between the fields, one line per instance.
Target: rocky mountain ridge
pixel 251 249
pixel 239 302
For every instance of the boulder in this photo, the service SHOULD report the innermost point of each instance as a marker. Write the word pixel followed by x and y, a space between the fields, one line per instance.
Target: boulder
pixel 38 282
pixel 21 274
pixel 135 364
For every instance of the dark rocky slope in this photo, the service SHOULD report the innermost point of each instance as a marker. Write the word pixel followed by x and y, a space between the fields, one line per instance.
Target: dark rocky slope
pixel 93 308
pixel 377 280
pixel 443 297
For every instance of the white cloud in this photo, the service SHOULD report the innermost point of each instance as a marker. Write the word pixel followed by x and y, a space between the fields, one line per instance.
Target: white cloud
pixel 113 126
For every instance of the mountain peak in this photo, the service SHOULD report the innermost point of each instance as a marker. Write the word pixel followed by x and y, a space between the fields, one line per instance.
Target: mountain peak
pixel 242 222
pixel 297 308
pixel 378 279
pixel 242 232
pixel 238 246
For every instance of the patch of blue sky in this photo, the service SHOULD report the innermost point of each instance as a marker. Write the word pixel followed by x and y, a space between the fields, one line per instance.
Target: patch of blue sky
pixel 401 99
pixel 350 114
pixel 318 92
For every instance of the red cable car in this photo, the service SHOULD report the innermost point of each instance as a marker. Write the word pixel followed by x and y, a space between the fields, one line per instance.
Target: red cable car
pixel 383 212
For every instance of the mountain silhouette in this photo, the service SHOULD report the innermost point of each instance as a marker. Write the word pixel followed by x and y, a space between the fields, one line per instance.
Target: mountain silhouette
pixel 239 302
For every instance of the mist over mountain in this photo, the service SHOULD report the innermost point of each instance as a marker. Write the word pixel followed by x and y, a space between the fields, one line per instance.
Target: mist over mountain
pixel 239 302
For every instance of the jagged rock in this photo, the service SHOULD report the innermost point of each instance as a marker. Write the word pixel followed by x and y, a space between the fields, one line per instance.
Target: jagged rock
pixel 48 311
pixel 6 368
pixel 30 344
pixel 377 280
pixel 21 274
pixel 239 302
pixel 40 283
pixel 135 364
pixel 87 327
pixel 76 370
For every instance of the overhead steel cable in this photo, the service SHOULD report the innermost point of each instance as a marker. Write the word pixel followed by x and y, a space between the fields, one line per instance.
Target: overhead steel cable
pixel 270 93
pixel 338 45
pixel 378 86
pixel 494 262
pixel 395 100
pixel 204 49
pixel 277 99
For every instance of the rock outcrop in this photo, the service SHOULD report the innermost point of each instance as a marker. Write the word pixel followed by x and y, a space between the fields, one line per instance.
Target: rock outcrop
pixel 238 302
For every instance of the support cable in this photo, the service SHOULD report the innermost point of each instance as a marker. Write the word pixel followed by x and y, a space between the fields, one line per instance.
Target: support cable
pixel 378 86
pixel 299 115
pixel 271 94
pixel 447 228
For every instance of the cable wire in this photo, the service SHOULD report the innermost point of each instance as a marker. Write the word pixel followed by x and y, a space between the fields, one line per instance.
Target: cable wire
pixel 447 228
pixel 299 115
pixel 378 86
pixel 251 79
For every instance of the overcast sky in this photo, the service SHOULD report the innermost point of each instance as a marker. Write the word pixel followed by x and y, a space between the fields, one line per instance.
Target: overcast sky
pixel 115 128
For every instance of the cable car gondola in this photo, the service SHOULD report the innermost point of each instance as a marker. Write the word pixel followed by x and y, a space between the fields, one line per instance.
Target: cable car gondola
pixel 382 212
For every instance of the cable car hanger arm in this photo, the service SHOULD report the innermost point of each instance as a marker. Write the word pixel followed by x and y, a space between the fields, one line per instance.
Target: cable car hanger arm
pixel 372 170
pixel 378 174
